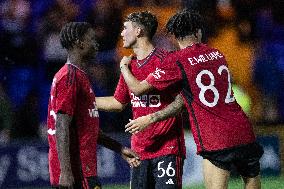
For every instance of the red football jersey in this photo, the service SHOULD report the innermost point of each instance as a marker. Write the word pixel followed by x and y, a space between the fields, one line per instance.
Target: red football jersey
pixel 71 94
pixel 217 121
pixel 162 138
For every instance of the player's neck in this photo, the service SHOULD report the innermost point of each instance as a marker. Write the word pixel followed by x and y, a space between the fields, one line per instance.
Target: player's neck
pixel 187 41
pixel 143 49
pixel 77 61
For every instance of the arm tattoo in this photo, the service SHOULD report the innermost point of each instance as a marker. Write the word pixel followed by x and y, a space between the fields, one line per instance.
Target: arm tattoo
pixel 109 143
pixel 170 111
pixel 63 123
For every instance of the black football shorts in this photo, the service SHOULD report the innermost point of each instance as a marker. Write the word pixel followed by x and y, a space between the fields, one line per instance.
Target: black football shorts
pixel 244 159
pixel 162 172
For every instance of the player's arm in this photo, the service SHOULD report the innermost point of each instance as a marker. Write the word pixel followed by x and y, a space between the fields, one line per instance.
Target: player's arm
pixel 63 122
pixel 139 124
pixel 137 87
pixel 109 104
pixel 127 154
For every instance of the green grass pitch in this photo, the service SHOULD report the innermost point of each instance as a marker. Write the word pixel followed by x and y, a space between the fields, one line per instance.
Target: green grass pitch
pixel 267 183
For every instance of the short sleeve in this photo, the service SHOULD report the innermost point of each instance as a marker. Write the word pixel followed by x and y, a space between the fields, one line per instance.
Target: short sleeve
pixel 121 93
pixel 165 75
pixel 66 95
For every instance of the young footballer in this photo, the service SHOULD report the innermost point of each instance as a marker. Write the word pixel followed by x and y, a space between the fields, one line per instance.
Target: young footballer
pixel 73 119
pixel 161 146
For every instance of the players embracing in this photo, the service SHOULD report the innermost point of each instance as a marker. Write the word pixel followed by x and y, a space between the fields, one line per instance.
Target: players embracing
pixel 161 146
pixel 221 130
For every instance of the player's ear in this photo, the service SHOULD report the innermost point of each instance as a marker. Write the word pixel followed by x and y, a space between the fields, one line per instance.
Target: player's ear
pixel 79 44
pixel 139 31
pixel 199 35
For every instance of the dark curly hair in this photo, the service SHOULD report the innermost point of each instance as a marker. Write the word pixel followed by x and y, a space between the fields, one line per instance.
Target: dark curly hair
pixel 185 23
pixel 72 32
pixel 146 20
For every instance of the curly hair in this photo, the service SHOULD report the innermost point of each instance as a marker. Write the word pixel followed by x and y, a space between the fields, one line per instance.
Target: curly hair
pixel 146 20
pixel 185 23
pixel 72 32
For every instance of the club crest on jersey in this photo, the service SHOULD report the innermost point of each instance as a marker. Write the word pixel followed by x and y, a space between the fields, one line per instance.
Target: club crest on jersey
pixel 145 100
pixel 51 131
pixel 94 112
pixel 157 73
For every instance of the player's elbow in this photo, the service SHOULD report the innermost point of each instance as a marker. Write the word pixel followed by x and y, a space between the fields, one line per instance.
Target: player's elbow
pixel 118 107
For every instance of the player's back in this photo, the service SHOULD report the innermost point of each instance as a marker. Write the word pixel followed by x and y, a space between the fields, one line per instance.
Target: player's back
pixel 217 120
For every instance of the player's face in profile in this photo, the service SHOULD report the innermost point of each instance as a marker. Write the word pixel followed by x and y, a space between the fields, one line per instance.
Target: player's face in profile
pixel 90 44
pixel 128 34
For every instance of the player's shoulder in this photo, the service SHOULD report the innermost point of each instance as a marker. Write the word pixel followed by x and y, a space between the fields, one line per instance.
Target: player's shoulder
pixel 172 56
pixel 67 73
pixel 160 53
pixel 61 73
pixel 173 53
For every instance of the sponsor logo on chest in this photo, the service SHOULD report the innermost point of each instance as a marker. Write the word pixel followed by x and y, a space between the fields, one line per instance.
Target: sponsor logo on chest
pixel 94 111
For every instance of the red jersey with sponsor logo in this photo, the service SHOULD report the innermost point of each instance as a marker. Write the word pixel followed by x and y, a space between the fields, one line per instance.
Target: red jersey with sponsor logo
pixel 162 138
pixel 71 94
pixel 217 121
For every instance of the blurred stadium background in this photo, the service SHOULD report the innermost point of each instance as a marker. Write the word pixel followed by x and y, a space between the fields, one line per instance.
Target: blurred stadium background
pixel 249 32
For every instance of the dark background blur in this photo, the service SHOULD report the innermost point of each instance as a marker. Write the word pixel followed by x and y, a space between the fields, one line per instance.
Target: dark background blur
pixel 249 32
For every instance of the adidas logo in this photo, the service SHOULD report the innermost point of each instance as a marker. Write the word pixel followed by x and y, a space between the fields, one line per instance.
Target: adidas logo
pixel 170 181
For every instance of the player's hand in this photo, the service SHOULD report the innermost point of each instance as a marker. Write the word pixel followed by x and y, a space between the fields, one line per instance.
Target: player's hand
pixel 66 180
pixel 130 156
pixel 125 61
pixel 139 124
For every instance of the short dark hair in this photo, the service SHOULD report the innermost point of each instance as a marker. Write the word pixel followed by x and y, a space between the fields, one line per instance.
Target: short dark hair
pixel 72 32
pixel 145 19
pixel 185 23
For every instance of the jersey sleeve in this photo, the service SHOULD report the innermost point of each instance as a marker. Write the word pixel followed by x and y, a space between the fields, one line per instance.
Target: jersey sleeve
pixel 121 93
pixel 66 95
pixel 164 76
